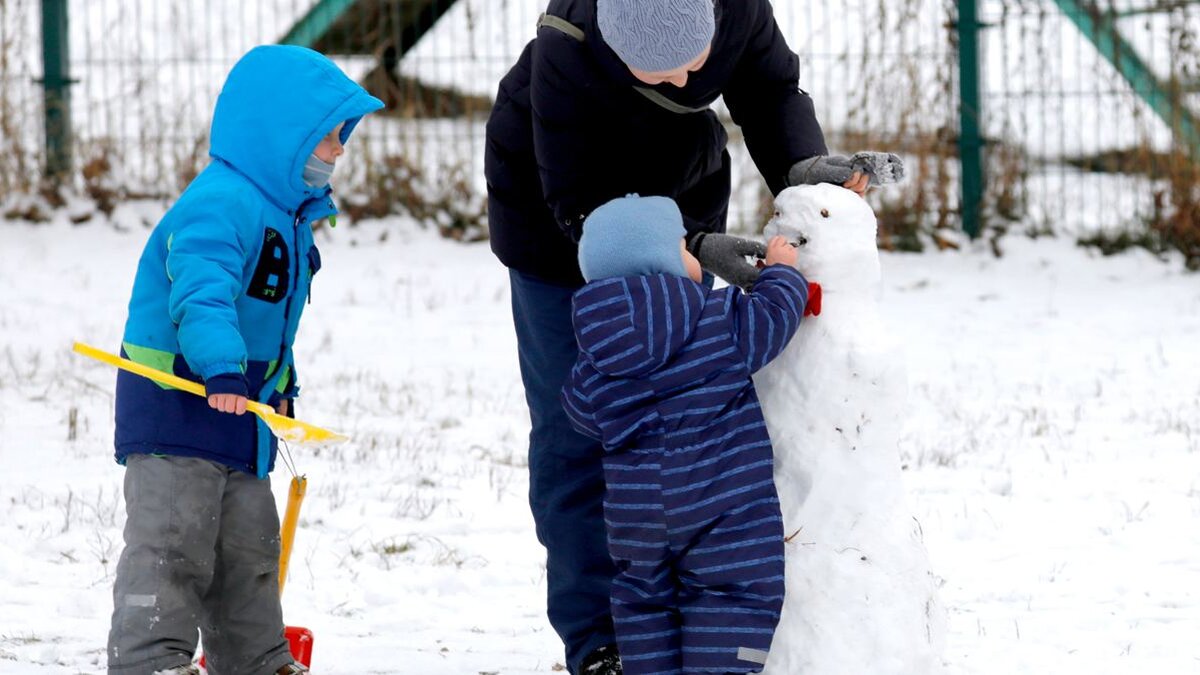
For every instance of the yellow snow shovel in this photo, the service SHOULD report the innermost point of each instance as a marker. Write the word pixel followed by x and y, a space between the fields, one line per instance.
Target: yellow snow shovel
pixel 287 533
pixel 300 640
pixel 290 430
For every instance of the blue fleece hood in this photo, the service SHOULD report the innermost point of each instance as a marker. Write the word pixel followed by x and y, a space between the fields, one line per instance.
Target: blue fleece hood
pixel 277 104
pixel 631 326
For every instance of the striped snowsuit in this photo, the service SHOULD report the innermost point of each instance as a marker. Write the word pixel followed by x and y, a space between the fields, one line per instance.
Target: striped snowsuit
pixel 663 380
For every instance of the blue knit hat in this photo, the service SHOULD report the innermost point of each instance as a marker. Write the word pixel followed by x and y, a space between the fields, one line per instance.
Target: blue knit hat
pixel 656 35
pixel 631 236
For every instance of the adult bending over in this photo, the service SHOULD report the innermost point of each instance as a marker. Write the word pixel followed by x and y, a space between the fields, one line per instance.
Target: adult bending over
pixel 612 97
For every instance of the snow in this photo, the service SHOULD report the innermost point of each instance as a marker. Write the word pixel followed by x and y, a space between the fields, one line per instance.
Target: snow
pixel 1051 448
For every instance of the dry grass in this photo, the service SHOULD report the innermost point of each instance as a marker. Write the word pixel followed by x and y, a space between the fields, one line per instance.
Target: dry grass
pixel 447 201
pixel 18 167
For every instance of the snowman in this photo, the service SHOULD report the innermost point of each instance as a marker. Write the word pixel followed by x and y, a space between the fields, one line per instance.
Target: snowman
pixel 861 597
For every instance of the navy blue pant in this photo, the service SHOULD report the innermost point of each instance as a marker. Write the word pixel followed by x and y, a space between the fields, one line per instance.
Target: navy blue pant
pixel 697 535
pixel 566 477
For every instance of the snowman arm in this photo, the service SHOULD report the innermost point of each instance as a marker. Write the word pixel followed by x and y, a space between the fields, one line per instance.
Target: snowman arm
pixel 577 408
pixel 769 315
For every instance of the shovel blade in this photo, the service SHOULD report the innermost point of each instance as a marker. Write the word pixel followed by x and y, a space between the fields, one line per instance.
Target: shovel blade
pixel 297 432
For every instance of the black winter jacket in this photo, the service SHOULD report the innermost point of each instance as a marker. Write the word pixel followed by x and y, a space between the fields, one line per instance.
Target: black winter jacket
pixel 569 131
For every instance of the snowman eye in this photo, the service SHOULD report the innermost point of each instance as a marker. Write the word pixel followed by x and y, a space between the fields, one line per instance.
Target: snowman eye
pixel 777 213
pixel 824 213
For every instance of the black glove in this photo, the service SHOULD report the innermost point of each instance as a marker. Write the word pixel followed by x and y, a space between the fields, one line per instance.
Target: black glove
pixel 725 256
pixel 882 167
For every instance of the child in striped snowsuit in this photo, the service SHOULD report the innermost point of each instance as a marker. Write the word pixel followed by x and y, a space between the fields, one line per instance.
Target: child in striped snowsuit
pixel 663 380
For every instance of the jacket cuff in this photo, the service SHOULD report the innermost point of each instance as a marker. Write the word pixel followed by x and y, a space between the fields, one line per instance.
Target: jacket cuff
pixel 219 368
pixel 783 271
pixel 227 383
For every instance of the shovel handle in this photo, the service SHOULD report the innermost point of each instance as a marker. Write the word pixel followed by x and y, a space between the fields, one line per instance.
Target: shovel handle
pixel 140 369
pixel 287 533
pixel 159 376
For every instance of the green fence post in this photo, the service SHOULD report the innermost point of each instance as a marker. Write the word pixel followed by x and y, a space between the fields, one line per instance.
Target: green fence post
pixel 314 24
pixel 970 142
pixel 56 60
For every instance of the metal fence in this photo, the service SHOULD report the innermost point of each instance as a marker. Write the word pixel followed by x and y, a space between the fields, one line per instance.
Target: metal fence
pixel 1079 125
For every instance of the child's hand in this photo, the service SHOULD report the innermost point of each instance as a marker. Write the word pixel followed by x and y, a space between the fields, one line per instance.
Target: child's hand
pixel 780 252
pixel 228 403
pixel 282 408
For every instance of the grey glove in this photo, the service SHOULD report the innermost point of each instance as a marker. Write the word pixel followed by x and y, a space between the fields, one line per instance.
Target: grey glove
pixel 725 256
pixel 882 167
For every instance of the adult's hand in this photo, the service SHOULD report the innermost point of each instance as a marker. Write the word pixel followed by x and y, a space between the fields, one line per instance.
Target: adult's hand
pixel 858 182
pixel 857 172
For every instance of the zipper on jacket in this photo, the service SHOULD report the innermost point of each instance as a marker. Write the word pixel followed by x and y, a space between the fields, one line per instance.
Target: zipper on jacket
pixel 287 308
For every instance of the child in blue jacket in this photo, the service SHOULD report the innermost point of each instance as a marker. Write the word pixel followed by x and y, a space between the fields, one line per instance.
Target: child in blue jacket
pixel 663 381
pixel 217 299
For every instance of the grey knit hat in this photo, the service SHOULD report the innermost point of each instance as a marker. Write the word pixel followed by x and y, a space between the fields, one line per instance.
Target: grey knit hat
pixel 656 35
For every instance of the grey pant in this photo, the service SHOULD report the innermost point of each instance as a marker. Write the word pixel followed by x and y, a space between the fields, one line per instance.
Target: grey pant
pixel 201 551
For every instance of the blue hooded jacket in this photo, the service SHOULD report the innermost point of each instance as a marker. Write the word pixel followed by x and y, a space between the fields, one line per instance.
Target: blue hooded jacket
pixel 225 275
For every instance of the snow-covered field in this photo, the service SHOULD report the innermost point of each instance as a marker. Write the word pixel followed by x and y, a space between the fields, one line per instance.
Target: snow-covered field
pixel 1052 452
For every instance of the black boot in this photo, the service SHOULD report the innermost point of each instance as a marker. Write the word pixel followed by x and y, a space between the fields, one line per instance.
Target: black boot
pixel 603 661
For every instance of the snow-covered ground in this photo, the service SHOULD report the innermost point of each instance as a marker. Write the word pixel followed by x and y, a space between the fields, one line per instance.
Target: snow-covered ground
pixel 1052 450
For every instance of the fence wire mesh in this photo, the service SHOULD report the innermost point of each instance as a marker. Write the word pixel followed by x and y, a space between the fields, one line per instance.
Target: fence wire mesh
pixel 1072 147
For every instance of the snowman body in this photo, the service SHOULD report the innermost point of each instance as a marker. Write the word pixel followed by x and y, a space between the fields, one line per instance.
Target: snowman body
pixel 861 596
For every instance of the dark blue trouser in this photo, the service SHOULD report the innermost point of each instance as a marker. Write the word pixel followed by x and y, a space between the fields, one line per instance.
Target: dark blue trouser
pixel 697 535
pixel 566 478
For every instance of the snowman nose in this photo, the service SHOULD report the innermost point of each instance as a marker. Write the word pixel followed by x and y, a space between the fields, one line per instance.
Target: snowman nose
pixel 800 241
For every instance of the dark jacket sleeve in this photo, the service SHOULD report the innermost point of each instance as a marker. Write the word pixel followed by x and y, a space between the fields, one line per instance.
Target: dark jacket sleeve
pixel 559 100
pixel 764 97
pixel 767 317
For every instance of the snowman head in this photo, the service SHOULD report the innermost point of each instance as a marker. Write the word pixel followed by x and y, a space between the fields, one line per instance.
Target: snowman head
pixel 834 232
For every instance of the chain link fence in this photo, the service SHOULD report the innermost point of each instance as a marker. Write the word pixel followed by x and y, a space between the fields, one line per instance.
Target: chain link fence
pixel 1071 146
